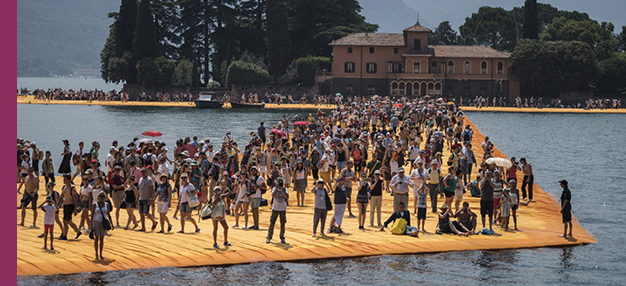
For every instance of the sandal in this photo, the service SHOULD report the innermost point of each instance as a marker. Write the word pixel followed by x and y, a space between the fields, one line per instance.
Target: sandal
pixel 216 246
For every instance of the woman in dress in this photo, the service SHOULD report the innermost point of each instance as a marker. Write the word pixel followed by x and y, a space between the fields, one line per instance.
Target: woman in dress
pixel 85 203
pixel 362 198
pixel 299 181
pixel 241 189
pixel 65 168
pixel 164 198
pixel 100 211
pixel 218 215
pixel 131 195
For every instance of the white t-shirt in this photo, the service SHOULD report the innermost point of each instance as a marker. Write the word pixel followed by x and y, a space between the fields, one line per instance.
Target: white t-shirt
pixel 108 162
pixel 242 196
pixel 280 201
pixel 48 217
pixel 325 165
pixel 184 191
pixel 419 178
pixel 259 182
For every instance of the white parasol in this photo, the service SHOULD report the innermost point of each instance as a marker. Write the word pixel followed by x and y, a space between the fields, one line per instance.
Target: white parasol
pixel 501 162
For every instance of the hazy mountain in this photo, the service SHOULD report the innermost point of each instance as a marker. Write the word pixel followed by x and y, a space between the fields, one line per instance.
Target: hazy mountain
pixel 56 37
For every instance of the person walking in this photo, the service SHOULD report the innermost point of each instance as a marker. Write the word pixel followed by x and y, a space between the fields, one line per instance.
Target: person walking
pixel 31 183
pixel 100 212
pixel 566 208
pixel 433 184
pixel 164 198
pixel 70 198
pixel 65 168
pixel 527 180
pixel 186 189
pixel 218 215
pixel 280 196
pixel 146 192
pixel 131 198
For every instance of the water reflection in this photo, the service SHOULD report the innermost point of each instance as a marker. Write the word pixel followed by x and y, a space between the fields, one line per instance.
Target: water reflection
pixel 494 263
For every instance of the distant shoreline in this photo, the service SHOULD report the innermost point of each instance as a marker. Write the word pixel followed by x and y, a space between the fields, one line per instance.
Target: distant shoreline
pixel 32 100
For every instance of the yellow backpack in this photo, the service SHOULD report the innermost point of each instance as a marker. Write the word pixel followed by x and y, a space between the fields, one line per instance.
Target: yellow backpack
pixel 399 226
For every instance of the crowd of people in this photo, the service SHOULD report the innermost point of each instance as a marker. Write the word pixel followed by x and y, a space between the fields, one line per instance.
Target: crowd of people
pixel 354 154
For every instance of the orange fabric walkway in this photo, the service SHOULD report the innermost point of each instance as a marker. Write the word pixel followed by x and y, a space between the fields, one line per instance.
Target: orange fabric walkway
pixel 540 224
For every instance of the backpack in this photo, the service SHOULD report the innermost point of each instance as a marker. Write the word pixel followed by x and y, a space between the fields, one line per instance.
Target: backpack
pixel 466 136
pixel 75 159
pixel 147 161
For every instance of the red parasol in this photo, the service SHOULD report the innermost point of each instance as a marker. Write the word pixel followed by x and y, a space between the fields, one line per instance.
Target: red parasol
pixel 190 149
pixel 300 123
pixel 397 105
pixel 278 132
pixel 152 133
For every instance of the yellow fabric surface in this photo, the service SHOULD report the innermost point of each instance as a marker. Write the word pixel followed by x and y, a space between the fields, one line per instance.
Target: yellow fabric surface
pixel 539 224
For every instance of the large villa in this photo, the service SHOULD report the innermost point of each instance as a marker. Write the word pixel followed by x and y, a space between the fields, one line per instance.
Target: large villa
pixel 404 64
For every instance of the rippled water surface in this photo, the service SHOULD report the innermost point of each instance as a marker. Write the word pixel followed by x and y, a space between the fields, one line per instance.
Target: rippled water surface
pixel 586 149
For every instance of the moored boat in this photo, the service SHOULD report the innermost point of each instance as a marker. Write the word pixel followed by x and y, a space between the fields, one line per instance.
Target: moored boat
pixel 206 101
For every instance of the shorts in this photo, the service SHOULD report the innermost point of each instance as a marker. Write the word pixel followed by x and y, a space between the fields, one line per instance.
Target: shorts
pixel 348 193
pixel 496 203
pixel 255 203
pixel 48 228
pixel 567 213
pixel 185 208
pixel 144 207
pixel 421 213
pixel 163 207
pixel 486 208
pixel 458 195
pixel 131 205
pixel 68 211
pixel 448 194
pixel 117 198
pixel 514 207
pixel 28 199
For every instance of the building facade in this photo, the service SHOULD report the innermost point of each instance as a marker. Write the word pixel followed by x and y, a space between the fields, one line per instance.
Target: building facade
pixel 405 65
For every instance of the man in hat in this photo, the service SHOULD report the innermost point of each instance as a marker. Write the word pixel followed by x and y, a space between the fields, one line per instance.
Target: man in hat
pixel 400 188
pixel 31 187
pixel 117 191
pixel 433 183
pixel 566 208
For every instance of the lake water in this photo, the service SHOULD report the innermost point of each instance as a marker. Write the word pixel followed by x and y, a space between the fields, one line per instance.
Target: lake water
pixel 75 83
pixel 585 149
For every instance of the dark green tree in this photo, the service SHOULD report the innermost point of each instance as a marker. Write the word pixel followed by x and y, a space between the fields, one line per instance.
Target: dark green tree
pixel 613 79
pixel 166 22
pixel 599 36
pixel 144 42
pixel 622 39
pixel 243 73
pixel 277 38
pixel 314 24
pixel 125 27
pixel 493 27
pixel 443 35
pixel 554 66
pixel 307 68
pixel 530 25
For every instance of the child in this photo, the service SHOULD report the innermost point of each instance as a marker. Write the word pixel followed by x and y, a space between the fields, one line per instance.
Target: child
pixel 48 221
pixel 505 207
pixel 514 193
pixel 421 207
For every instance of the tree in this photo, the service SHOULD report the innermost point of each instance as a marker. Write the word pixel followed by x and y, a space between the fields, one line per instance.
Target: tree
pixel 106 54
pixel 443 35
pixel 183 73
pixel 613 79
pixel 243 73
pixel 166 69
pixel 599 36
pixel 314 24
pixel 147 72
pixel 622 39
pixel 308 67
pixel 166 22
pixel 531 25
pixel 125 27
pixel 144 42
pixel 277 37
pixel 493 27
pixel 554 66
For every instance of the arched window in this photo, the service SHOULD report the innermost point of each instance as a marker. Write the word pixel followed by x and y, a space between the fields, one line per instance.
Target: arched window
pixel 438 89
pixel 500 68
pixel 450 67
pixel 433 67
pixel 402 88
pixel 416 88
pixel 431 88
pixel 483 68
pixel 466 67
pixel 349 67
pixel 394 88
pixel 416 67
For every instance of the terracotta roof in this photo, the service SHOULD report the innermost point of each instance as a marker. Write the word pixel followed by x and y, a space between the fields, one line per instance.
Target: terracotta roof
pixel 444 51
pixel 417 28
pixel 370 39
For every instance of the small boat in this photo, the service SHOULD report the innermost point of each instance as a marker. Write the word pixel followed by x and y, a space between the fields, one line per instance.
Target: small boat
pixel 247 105
pixel 205 100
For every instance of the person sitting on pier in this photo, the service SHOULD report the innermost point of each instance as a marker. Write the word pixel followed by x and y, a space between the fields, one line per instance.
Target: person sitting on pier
pixel 447 226
pixel 402 213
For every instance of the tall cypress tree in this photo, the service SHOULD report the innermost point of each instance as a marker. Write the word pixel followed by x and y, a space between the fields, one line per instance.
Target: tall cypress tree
pixel 125 27
pixel 144 42
pixel 531 26
pixel 277 37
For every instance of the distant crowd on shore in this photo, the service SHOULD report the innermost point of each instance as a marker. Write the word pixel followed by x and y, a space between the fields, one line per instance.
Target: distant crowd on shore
pixel 355 154
pixel 337 99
